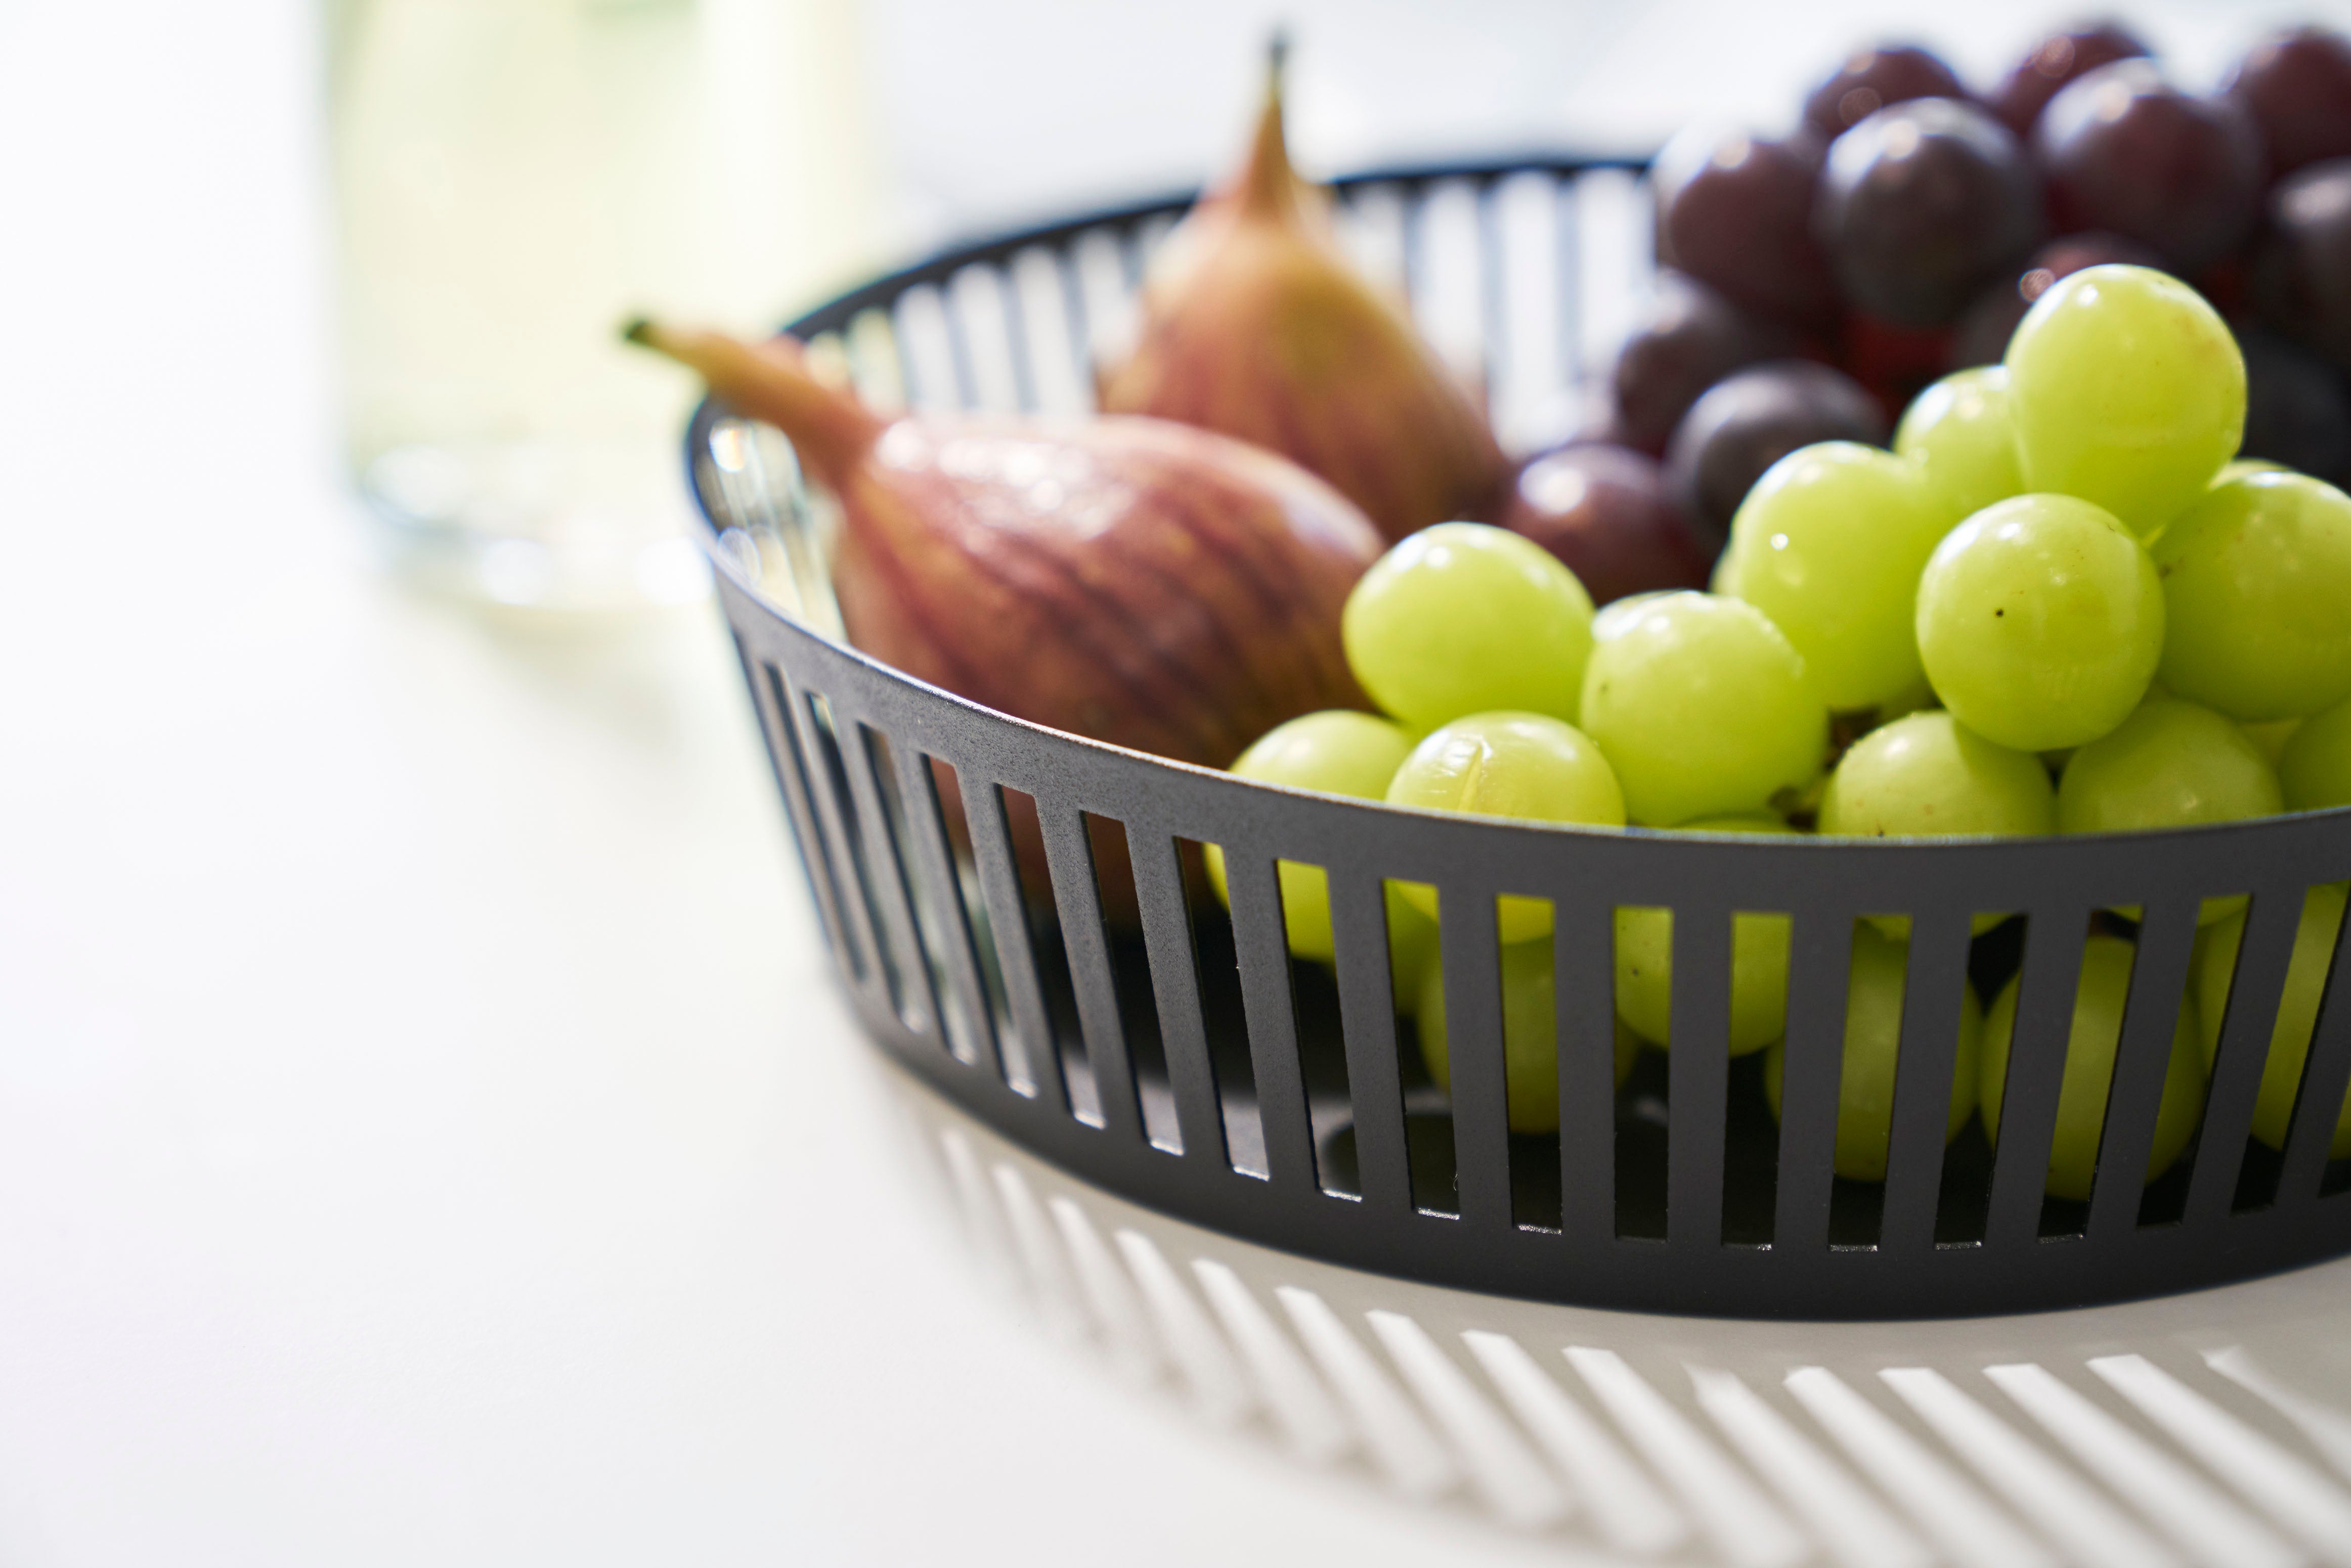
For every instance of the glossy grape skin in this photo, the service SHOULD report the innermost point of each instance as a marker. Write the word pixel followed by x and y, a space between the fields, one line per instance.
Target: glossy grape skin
pixel 2257 598
pixel 2297 408
pixel 2040 621
pixel 1525 766
pixel 2128 392
pixel 2315 769
pixel 1981 337
pixel 1961 434
pixel 1605 512
pixel 2090 1048
pixel 1873 1048
pixel 1734 211
pixel 1922 205
pixel 2055 62
pixel 1703 707
pixel 1693 337
pixel 2301 268
pixel 1749 421
pixel 2296 85
pixel 1759 961
pixel 2297 1015
pixel 1927 774
pixel 1871 79
pixel 1829 544
pixel 1530 1035
pixel 2126 152
pixel 2172 764
pixel 1463 618
pixel 1336 753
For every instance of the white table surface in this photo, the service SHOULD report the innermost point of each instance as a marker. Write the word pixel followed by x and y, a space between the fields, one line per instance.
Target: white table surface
pixel 427 1131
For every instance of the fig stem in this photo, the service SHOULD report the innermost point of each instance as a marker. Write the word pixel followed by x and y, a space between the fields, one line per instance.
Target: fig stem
pixel 830 429
pixel 1268 187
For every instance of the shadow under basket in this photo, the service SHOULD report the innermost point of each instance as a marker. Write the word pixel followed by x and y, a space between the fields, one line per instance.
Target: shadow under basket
pixel 1016 916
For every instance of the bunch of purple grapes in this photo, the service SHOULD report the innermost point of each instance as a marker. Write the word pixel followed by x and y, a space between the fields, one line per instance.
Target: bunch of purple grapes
pixel 1812 283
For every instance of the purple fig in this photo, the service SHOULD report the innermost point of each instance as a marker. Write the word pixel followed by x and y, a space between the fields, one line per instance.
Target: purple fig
pixel 1134 580
pixel 1256 324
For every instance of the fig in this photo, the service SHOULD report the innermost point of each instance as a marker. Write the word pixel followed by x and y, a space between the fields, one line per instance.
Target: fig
pixel 1254 323
pixel 1134 580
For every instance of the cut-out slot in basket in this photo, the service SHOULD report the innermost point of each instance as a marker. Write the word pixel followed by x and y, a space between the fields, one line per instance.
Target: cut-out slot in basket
pixel 1021 917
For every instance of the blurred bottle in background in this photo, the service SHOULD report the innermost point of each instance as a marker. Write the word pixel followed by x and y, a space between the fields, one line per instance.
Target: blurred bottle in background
pixel 513 178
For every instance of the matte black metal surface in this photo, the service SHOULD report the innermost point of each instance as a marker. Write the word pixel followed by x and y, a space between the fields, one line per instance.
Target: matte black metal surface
pixel 1297 1102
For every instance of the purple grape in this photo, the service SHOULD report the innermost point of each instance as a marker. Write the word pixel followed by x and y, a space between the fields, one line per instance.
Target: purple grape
pixel 2297 408
pixel 1982 338
pixel 1735 211
pixel 2302 272
pixel 2297 87
pixel 1693 338
pixel 2055 61
pixel 1871 79
pixel 1748 422
pixel 1922 205
pixel 2126 152
pixel 1605 511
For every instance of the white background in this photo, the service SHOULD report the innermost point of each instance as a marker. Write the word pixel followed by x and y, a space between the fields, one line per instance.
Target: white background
pixel 426 1132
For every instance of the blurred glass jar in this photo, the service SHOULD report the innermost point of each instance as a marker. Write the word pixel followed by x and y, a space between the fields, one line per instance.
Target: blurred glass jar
pixel 513 178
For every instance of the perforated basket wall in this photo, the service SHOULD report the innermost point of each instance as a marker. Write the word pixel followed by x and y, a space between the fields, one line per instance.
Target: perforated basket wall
pixel 1190 1064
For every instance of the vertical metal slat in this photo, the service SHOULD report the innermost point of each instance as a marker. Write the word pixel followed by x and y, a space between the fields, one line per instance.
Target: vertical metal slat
pixel 918 793
pixel 2325 1075
pixel 791 781
pixel 1474 1054
pixel 1584 972
pixel 1070 857
pixel 1261 942
pixel 1820 960
pixel 1175 989
pixel 1359 930
pixel 1699 1076
pixel 887 877
pixel 1008 925
pixel 2036 1069
pixel 832 820
pixel 1933 987
pixel 2142 1060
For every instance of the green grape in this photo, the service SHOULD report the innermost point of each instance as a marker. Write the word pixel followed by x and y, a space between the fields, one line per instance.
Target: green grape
pixel 2040 621
pixel 1530 1035
pixel 1829 544
pixel 1759 961
pixel 2272 738
pixel 2236 468
pixel 1462 619
pixel 1703 707
pixel 1336 753
pixel 1412 942
pixel 1623 614
pixel 1961 434
pixel 2257 598
pixel 1873 1044
pixel 2315 767
pixel 1522 765
pixel 2297 1015
pixel 2090 1047
pixel 2128 392
pixel 1928 775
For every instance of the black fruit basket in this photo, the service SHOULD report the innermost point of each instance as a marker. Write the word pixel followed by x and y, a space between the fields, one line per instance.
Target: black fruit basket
pixel 1179 1057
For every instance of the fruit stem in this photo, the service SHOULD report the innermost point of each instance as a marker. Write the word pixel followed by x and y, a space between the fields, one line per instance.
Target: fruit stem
pixel 830 429
pixel 1268 187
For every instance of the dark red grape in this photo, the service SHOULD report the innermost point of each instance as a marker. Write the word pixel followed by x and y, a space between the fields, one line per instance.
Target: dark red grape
pixel 1988 323
pixel 1748 422
pixel 2301 273
pixel 2053 62
pixel 1894 363
pixel 2126 152
pixel 1922 205
pixel 1873 79
pixel 2297 408
pixel 2297 87
pixel 1693 338
pixel 1735 211
pixel 1605 512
